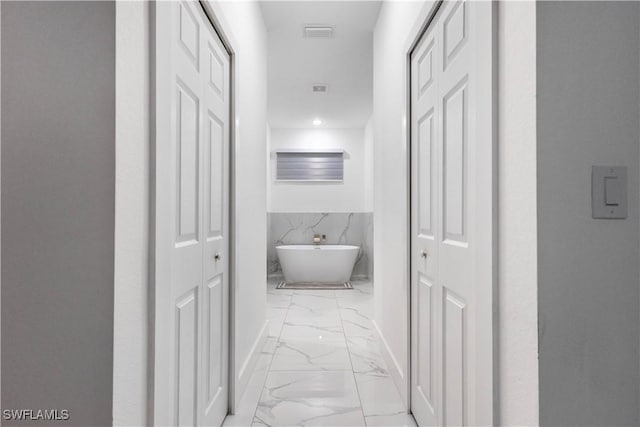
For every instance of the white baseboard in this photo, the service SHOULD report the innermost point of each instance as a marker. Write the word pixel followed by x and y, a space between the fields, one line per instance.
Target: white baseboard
pixel 250 362
pixel 395 370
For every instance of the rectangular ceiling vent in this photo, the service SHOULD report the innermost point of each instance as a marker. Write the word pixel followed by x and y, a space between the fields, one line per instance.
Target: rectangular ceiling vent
pixel 320 88
pixel 317 31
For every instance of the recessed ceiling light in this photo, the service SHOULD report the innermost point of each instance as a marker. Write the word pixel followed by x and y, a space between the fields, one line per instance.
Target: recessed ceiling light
pixel 317 122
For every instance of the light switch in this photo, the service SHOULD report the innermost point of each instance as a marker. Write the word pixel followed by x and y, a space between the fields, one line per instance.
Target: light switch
pixel 609 192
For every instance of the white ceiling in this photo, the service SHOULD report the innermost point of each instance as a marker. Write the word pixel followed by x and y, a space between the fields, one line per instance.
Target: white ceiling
pixel 344 62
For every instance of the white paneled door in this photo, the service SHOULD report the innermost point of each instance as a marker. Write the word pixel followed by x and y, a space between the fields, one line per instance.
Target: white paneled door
pixel 452 217
pixel 192 110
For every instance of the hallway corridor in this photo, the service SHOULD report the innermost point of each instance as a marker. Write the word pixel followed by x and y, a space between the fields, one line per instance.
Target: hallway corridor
pixel 322 364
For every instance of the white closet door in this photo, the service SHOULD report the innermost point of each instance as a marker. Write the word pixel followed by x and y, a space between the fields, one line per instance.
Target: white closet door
pixel 452 218
pixel 215 224
pixel 192 205
pixel 425 233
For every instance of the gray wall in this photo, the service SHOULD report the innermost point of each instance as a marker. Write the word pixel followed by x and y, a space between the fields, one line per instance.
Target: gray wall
pixel 588 113
pixel 58 94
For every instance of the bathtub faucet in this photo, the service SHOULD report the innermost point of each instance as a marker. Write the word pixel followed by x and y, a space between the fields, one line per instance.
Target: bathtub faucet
pixel 317 238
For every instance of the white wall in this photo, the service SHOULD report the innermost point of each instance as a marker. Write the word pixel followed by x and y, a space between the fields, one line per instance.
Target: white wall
pixel 346 196
pixel 517 231
pixel 131 287
pixel 242 23
pixel 268 168
pixel 390 226
pixel 368 166
pixel 397 24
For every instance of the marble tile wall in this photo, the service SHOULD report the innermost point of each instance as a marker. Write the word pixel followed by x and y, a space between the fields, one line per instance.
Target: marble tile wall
pixel 355 228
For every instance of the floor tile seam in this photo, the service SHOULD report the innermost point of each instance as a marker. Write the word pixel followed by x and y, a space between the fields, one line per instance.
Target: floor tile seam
pixel 273 355
pixel 353 374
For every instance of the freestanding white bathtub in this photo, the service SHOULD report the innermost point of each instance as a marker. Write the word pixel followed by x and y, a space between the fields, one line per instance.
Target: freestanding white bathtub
pixel 317 263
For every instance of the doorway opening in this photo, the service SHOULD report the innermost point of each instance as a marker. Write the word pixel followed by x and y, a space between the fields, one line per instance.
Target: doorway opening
pixel 330 347
pixel 325 350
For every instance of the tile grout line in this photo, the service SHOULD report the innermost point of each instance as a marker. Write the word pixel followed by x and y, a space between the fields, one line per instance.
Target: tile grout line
pixel 273 355
pixel 346 341
pixel 386 374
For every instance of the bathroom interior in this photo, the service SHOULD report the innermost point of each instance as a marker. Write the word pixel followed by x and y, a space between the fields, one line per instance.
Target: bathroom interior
pixel 320 283
pixel 320 147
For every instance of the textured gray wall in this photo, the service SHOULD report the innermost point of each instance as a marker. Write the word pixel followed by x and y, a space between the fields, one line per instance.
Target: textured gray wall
pixel 58 94
pixel 588 113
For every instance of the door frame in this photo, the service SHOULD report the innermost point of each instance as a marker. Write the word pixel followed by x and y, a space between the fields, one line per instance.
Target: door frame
pixel 216 20
pixel 425 18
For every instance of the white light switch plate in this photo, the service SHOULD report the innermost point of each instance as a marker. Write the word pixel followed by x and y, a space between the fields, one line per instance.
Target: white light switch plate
pixel 609 192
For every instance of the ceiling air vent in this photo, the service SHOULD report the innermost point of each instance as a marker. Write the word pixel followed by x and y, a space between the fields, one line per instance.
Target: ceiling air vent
pixel 320 88
pixel 317 32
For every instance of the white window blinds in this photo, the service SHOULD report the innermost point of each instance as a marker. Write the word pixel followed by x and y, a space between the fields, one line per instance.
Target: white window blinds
pixel 309 166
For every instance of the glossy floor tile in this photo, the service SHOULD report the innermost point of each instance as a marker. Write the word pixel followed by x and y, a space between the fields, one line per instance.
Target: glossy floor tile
pixel 311 355
pixel 322 364
pixel 309 399
pixel 378 395
pixel 366 355
pixel 404 420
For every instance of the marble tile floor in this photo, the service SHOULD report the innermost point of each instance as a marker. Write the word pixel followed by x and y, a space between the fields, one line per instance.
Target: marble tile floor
pixel 321 365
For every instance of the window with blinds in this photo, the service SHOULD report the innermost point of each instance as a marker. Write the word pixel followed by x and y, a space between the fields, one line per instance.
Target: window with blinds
pixel 309 166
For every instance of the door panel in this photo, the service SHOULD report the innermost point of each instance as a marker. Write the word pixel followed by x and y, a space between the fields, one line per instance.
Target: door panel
pixel 452 199
pixel 214 360
pixel 215 173
pixel 192 201
pixel 455 153
pixel 455 30
pixel 187 357
pixel 425 182
pixel 187 155
pixel 454 361
pixel 425 374
pixel 189 33
pixel 425 69
pixel 217 73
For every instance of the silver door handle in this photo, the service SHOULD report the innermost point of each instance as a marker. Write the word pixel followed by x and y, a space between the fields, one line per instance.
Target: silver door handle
pixel 423 253
pixel 217 256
